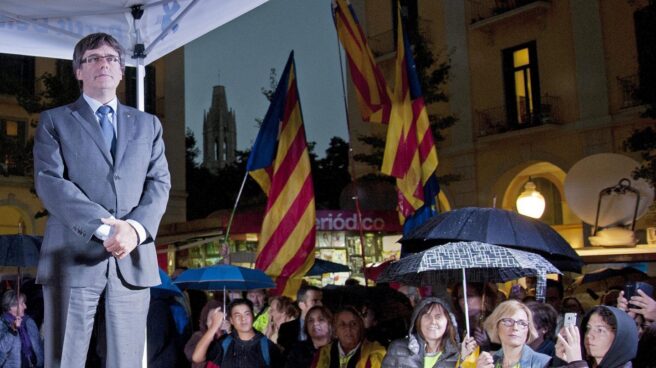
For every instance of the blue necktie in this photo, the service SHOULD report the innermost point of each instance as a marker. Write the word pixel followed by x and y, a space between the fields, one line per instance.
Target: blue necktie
pixel 106 127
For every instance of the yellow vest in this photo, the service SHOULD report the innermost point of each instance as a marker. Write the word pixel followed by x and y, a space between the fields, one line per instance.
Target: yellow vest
pixel 370 352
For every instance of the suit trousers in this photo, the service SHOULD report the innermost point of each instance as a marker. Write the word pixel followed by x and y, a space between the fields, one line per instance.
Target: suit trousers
pixel 69 315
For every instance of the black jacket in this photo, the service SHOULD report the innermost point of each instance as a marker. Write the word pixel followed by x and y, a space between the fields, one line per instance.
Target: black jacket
pixel 243 354
pixel 300 354
pixel 288 334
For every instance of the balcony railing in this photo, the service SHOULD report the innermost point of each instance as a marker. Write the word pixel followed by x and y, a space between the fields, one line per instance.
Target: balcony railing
pixel 384 43
pixel 629 90
pixel 495 120
pixel 484 9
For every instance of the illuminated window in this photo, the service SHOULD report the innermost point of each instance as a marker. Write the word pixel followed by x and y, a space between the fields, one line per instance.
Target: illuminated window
pixel 11 129
pixel 521 84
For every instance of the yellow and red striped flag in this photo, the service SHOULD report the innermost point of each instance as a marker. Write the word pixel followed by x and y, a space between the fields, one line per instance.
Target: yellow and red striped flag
pixel 410 153
pixel 280 163
pixel 371 89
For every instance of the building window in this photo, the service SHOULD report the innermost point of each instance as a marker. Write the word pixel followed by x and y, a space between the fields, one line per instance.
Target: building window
pixel 645 30
pixel 521 82
pixel 16 74
pixel 13 132
pixel 13 152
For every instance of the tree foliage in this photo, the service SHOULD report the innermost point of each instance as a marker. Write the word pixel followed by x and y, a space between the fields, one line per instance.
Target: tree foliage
pixel 209 191
pixel 644 141
pixel 58 89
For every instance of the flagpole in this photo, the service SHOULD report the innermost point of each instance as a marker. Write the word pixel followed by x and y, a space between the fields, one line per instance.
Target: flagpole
pixel 355 198
pixel 226 250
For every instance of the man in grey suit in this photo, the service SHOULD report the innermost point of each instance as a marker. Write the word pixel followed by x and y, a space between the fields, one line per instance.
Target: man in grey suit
pixel 101 173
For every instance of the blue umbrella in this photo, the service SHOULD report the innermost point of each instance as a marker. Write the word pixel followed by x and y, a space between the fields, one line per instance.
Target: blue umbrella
pixel 221 277
pixel 166 288
pixel 321 266
pixel 18 250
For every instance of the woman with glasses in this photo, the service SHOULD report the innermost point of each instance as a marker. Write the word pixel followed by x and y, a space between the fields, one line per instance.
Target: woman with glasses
pixel 511 325
pixel 610 340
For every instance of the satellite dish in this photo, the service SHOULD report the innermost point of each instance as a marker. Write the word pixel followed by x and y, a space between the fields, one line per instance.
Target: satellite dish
pixel 594 173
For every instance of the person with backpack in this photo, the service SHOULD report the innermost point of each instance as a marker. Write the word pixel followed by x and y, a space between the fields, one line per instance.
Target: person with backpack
pixel 244 346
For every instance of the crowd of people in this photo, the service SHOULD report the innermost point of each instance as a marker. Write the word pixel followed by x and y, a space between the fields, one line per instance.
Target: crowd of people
pixel 253 330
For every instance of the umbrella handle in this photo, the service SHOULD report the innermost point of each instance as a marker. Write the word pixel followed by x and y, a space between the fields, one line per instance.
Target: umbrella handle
pixel 464 293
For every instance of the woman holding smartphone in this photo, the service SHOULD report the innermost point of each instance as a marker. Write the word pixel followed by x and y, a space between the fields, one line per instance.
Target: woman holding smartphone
pixel 610 340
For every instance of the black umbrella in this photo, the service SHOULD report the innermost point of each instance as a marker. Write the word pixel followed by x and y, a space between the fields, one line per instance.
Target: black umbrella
pixel 494 226
pixel 18 250
pixel 322 266
pixel 606 279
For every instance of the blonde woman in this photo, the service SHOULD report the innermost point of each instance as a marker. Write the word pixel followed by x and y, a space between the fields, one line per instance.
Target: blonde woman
pixel 511 325
pixel 281 310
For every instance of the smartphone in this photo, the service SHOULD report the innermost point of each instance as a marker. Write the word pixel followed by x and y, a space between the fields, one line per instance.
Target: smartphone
pixel 631 289
pixel 570 319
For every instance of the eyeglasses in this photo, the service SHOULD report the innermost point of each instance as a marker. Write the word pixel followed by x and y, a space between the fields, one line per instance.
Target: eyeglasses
pixel 509 322
pixel 96 59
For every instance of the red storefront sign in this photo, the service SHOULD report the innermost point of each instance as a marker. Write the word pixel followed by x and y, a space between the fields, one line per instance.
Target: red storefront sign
pixel 327 220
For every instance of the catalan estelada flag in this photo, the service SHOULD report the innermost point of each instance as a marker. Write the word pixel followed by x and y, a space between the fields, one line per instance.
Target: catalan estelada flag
pixel 280 163
pixel 371 89
pixel 410 154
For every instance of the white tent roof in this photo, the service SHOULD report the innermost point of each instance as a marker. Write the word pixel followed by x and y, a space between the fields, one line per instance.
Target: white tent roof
pixel 50 28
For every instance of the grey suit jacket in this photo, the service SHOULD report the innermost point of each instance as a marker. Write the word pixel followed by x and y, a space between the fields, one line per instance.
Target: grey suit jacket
pixel 78 182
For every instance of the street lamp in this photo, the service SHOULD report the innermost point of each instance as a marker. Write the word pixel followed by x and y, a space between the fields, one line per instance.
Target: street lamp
pixel 530 203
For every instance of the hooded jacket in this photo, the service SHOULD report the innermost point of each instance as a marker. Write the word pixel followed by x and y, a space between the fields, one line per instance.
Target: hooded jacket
pixel 625 344
pixel 410 351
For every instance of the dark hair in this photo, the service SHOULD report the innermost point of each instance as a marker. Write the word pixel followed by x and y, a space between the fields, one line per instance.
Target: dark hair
pixel 557 285
pixel 263 291
pixel 578 303
pixel 645 357
pixel 94 41
pixel 10 299
pixel 300 295
pixel 450 331
pixel 353 311
pixel 484 290
pixel 606 315
pixel 323 311
pixel 237 302
pixel 351 282
pixel 544 316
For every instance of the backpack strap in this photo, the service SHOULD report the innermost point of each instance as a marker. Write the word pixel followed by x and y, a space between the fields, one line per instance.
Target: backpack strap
pixel 225 344
pixel 264 346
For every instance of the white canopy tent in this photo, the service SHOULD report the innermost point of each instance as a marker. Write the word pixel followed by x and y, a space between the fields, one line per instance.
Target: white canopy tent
pixel 147 29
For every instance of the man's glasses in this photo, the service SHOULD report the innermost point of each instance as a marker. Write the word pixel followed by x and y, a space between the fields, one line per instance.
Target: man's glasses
pixel 96 59
pixel 509 322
